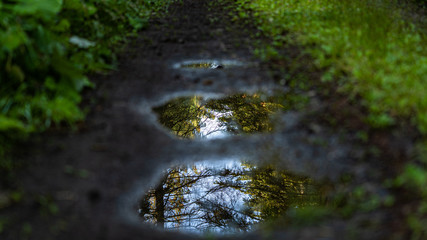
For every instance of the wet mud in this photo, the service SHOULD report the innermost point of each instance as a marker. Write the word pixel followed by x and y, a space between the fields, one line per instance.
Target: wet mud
pixel 96 176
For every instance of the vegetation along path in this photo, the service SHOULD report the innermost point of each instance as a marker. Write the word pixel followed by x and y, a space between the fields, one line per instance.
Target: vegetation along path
pixel 319 104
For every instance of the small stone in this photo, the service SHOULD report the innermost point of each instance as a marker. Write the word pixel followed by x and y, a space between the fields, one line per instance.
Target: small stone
pixel 4 200
pixel 66 196
pixel 311 93
pixel 315 128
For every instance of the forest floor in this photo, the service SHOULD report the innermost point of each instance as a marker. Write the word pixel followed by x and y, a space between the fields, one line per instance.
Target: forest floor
pixel 82 184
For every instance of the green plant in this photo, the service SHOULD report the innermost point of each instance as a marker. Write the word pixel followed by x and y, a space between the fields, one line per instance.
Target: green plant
pixel 382 54
pixel 414 179
pixel 46 49
pixel 373 52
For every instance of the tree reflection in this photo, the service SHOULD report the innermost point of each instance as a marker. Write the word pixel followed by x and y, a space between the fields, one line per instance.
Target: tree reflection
pixel 250 113
pixel 273 192
pixel 167 203
pixel 204 198
pixel 191 117
pixel 183 116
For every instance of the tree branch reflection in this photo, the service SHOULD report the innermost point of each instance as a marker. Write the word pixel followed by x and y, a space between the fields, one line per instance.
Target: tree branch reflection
pixel 192 117
pixel 205 197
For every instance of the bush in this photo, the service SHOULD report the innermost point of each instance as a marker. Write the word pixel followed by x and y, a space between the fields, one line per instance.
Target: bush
pixel 370 46
pixel 46 49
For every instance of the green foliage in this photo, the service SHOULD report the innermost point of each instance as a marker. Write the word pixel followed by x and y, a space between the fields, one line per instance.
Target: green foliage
pixel 414 179
pixel 273 192
pixel 383 55
pixel 47 205
pixel 46 49
pixel 308 215
pixel 3 223
pixel 370 49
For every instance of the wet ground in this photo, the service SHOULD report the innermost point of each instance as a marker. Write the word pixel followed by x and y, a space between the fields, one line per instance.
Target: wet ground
pixel 187 90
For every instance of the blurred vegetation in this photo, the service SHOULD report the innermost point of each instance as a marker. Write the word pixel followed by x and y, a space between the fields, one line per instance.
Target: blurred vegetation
pixel 374 51
pixel 46 49
pixel 369 46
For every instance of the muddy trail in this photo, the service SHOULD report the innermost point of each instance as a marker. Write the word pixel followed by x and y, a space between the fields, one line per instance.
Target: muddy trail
pixel 87 184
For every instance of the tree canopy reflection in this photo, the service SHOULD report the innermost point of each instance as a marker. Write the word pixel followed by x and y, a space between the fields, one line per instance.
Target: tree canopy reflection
pixel 213 198
pixel 192 117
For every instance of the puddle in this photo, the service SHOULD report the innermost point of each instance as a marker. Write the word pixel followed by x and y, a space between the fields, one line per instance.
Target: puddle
pixel 198 118
pixel 230 196
pixel 208 64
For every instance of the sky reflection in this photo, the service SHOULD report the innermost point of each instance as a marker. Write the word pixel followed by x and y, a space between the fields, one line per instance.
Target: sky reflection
pixel 230 196
pixel 196 118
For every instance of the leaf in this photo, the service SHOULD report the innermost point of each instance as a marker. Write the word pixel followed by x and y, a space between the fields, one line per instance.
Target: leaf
pixel 82 82
pixel 29 7
pixel 91 9
pixel 7 123
pixel 73 4
pixel 12 38
pixel 81 42
pixel 65 67
pixel 64 109
pixel 15 72
pixel 50 83
pixel 415 176
pixel 63 26
pixel 380 120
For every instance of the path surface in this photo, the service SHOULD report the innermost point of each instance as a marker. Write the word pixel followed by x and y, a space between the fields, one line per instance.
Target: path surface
pixel 94 175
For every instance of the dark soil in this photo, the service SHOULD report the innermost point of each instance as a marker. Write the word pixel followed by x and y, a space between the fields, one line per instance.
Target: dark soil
pixel 83 184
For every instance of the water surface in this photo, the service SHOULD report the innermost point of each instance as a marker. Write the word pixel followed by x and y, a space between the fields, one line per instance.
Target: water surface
pixel 231 196
pixel 197 118
pixel 208 64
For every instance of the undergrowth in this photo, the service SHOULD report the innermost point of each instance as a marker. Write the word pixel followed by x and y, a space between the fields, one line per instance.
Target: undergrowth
pixel 372 52
pixel 47 47
pixel 368 45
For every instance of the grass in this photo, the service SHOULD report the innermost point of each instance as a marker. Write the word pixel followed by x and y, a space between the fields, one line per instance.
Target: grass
pixel 372 52
pixel 368 45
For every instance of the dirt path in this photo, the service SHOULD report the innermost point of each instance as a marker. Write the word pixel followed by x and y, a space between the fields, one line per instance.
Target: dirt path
pixel 79 185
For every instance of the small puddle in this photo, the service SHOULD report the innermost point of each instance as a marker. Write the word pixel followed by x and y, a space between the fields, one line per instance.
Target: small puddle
pixel 208 64
pixel 197 118
pixel 230 196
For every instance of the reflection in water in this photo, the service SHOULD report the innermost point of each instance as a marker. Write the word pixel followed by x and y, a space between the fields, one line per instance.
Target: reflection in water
pixel 227 198
pixel 212 65
pixel 208 64
pixel 192 117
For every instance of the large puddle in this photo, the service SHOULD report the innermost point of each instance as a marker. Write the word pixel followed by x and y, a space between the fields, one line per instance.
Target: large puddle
pixel 231 196
pixel 197 118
